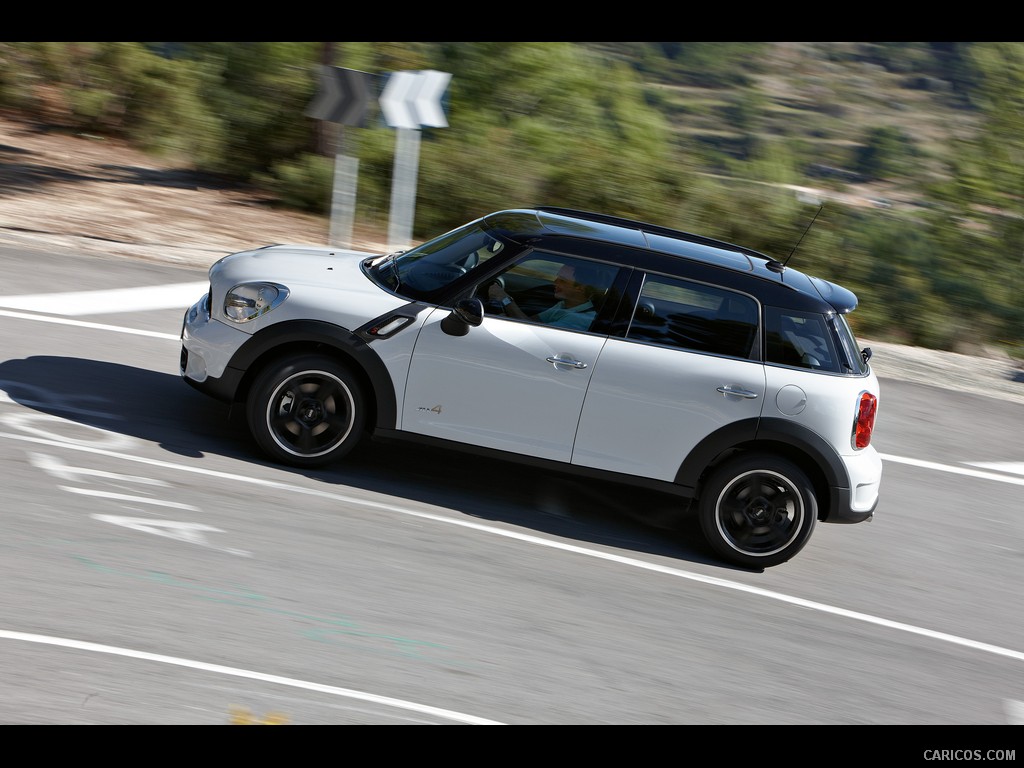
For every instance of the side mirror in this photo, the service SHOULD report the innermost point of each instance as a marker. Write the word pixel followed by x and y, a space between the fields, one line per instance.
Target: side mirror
pixel 467 312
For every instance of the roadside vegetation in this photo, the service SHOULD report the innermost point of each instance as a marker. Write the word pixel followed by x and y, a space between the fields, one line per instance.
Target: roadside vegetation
pixel 910 155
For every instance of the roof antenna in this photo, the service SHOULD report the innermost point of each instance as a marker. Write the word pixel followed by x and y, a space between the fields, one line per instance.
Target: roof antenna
pixel 783 264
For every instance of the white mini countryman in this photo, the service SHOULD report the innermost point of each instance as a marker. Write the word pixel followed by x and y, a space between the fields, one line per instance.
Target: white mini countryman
pixel 592 343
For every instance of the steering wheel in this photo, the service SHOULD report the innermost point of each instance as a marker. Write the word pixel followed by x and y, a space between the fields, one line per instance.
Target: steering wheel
pixel 484 292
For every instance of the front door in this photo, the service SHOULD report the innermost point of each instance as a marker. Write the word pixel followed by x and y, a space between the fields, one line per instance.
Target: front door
pixel 506 384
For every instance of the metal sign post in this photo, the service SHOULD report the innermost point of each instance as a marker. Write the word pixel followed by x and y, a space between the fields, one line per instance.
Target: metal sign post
pixel 409 101
pixel 343 199
pixel 342 98
pixel 403 188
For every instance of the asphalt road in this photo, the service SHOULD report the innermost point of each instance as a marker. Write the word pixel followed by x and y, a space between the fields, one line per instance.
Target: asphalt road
pixel 157 570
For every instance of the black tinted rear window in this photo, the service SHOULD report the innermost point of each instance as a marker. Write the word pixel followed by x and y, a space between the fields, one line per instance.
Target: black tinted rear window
pixel 695 316
pixel 801 340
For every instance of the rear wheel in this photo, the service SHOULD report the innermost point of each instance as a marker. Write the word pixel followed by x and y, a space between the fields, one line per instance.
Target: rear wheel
pixel 758 510
pixel 306 411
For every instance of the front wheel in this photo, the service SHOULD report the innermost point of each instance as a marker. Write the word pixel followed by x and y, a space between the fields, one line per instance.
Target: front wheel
pixel 306 411
pixel 758 510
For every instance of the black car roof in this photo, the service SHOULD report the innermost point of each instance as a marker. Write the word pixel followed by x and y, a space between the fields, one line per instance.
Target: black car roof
pixel 524 223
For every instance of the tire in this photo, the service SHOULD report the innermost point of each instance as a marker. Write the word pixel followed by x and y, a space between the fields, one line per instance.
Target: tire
pixel 758 510
pixel 306 411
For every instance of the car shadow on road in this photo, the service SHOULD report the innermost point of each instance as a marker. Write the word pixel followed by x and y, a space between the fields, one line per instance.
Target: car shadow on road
pixel 160 408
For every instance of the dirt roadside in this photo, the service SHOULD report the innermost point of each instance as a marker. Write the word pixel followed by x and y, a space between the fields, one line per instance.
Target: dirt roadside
pixel 97 196
pixel 101 196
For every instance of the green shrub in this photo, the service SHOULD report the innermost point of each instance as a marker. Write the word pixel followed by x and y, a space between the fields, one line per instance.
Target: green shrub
pixel 304 183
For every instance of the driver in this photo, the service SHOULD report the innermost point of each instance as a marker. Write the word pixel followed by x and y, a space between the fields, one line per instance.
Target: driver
pixel 575 292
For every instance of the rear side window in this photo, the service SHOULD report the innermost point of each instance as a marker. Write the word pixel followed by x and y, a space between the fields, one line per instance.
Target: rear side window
pixel 799 339
pixel 694 316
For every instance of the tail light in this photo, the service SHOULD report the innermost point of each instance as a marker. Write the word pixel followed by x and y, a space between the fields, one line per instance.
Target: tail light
pixel 864 424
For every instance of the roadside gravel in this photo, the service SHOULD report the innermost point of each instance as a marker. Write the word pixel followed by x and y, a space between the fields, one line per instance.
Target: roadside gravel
pixel 88 195
pixel 995 375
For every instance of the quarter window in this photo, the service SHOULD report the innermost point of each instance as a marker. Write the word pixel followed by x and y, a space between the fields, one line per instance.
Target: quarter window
pixel 799 339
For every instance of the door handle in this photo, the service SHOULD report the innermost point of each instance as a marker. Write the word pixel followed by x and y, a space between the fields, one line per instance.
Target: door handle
pixel 738 391
pixel 556 360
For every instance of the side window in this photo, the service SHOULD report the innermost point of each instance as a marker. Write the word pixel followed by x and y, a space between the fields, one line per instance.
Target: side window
pixel 799 339
pixel 695 316
pixel 551 289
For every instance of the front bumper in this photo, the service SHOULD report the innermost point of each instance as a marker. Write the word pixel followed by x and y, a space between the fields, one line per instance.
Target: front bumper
pixel 207 347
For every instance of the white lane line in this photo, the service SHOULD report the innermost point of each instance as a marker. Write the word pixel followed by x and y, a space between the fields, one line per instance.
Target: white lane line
pixel 537 540
pixel 129 498
pixel 248 674
pixel 1016 467
pixel 84 324
pixel 1014 712
pixel 182 295
pixel 951 469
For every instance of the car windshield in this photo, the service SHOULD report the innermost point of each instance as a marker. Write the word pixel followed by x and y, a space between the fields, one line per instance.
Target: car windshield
pixel 423 271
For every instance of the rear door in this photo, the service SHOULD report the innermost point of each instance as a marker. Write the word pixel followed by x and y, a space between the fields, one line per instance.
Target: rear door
pixel 687 367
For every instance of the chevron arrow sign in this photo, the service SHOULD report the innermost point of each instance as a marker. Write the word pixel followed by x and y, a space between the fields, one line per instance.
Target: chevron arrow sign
pixel 342 97
pixel 413 99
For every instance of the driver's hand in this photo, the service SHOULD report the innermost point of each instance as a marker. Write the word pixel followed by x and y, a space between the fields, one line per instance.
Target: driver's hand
pixel 495 292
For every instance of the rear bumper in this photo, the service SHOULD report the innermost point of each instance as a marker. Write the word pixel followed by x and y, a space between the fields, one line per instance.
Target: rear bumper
pixel 842 512
pixel 858 502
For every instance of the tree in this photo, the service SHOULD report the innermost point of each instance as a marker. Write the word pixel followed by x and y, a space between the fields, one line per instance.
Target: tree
pixel 885 153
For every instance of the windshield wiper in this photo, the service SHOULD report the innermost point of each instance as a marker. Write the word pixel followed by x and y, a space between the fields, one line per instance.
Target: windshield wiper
pixel 393 260
pixel 380 262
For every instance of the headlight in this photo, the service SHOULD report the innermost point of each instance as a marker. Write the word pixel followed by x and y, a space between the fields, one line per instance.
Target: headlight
pixel 248 301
